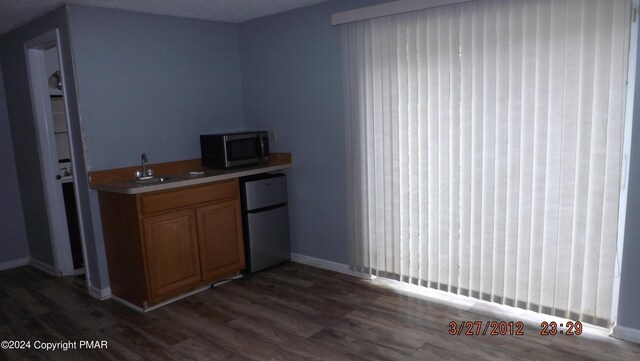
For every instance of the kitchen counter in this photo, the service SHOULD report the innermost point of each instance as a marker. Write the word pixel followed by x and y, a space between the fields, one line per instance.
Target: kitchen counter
pixel 179 174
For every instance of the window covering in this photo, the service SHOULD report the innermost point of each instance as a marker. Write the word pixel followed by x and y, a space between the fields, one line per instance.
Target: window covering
pixel 484 147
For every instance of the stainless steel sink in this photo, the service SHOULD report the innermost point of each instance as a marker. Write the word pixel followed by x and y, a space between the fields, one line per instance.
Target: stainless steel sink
pixel 155 180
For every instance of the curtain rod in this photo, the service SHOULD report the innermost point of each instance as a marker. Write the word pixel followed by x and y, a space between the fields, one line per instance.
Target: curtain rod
pixel 386 9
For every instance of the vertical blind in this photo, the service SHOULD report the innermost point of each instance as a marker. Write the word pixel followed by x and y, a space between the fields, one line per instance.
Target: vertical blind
pixel 484 147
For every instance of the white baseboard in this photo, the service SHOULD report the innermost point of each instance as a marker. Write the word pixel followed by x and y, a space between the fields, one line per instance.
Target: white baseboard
pixel 128 304
pixel 46 268
pixel 625 333
pixel 158 305
pixel 99 293
pixel 14 263
pixel 328 265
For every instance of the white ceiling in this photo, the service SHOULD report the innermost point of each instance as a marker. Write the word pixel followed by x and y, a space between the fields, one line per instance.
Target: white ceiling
pixel 14 13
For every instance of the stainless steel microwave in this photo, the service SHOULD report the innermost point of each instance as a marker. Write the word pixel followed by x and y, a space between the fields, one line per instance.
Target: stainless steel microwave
pixel 234 149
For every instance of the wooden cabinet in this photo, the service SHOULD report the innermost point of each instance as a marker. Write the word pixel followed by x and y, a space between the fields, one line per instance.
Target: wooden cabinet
pixel 171 248
pixel 165 243
pixel 219 228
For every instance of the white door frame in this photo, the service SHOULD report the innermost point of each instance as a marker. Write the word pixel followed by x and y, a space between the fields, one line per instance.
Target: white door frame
pixel 41 102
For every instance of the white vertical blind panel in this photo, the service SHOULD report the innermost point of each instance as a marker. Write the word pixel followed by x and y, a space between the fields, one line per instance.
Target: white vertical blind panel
pixel 443 33
pixel 466 152
pixel 596 161
pixel 554 171
pixel 454 150
pixel 487 155
pixel 484 150
pixel 568 178
pixel 420 158
pixel 406 252
pixel 416 136
pixel 477 63
pixel 501 152
pixel 584 108
pixel 514 125
pixel 527 122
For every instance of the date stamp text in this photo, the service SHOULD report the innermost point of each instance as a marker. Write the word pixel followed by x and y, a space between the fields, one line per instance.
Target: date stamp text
pixel 512 328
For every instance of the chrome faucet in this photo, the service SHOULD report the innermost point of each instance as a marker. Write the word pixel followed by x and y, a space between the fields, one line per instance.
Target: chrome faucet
pixel 144 164
pixel 145 173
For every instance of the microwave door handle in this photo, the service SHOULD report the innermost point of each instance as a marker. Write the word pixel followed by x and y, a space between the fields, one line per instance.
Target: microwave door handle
pixel 261 147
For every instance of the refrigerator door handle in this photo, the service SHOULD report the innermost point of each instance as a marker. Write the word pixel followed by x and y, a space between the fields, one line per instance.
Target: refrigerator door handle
pixel 268 208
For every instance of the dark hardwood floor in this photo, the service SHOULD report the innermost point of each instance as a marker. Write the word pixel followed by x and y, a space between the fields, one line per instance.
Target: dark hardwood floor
pixel 292 312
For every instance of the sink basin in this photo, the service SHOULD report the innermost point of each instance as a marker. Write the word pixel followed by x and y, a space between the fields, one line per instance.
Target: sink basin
pixel 155 180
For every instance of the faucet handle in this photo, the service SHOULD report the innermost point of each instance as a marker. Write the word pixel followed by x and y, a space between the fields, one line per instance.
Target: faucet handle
pixel 137 174
pixel 149 172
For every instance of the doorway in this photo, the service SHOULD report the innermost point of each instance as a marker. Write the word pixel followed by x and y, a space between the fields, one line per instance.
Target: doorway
pixel 56 160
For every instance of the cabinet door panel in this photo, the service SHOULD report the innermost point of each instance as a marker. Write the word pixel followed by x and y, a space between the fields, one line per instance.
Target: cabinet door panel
pixel 171 252
pixel 220 239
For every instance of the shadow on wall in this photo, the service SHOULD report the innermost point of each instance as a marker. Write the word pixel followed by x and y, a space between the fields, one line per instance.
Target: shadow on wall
pixel 14 248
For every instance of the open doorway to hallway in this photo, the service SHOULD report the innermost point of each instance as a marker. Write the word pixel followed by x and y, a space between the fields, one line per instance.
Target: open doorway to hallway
pixel 58 177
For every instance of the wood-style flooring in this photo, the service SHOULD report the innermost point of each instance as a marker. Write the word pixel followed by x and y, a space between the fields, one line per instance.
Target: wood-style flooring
pixel 291 312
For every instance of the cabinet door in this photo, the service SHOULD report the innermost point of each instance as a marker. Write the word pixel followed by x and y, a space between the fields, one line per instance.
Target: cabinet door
pixel 220 239
pixel 171 252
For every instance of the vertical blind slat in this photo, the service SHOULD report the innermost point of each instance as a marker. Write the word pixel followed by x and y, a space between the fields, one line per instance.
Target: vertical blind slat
pixel 466 81
pixel 555 171
pixel 477 64
pixel 501 152
pixel 514 121
pixel 454 150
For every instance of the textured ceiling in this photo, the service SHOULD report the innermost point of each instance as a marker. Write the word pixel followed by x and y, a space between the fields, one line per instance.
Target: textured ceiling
pixel 14 13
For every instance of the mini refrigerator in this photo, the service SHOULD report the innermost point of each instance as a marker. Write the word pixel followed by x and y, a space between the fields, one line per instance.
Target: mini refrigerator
pixel 266 220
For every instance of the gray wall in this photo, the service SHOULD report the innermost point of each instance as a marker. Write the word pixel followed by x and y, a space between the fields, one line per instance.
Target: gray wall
pixel 13 236
pixel 153 84
pixel 629 306
pixel 292 82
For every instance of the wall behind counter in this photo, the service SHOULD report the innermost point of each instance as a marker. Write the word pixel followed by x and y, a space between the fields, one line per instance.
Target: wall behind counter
pixel 151 83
